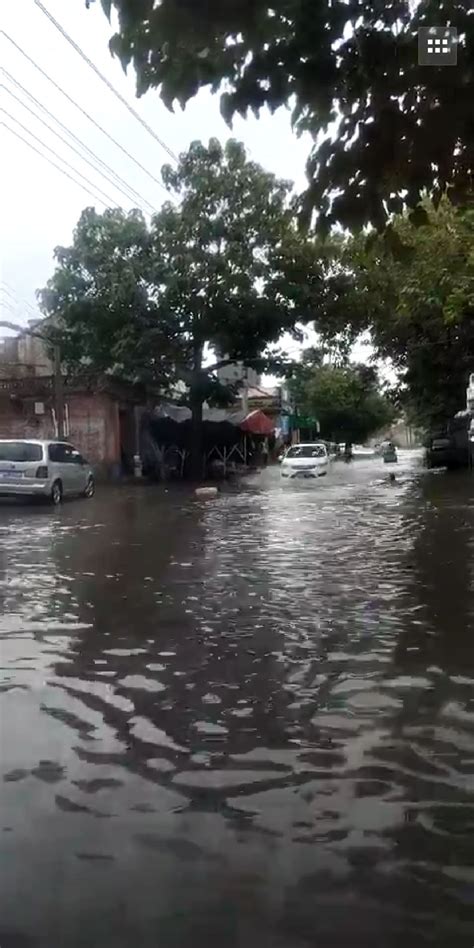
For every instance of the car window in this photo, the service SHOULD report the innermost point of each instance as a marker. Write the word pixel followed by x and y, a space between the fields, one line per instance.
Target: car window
pixel 307 451
pixel 20 451
pixel 75 456
pixel 56 453
pixel 64 454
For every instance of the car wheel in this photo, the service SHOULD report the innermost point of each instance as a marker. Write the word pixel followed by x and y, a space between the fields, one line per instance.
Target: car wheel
pixel 56 493
pixel 90 488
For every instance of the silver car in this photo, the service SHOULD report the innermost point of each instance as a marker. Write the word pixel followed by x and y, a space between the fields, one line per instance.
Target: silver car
pixel 48 469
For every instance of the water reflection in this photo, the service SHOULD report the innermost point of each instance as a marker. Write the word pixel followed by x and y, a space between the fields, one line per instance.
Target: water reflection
pixel 240 722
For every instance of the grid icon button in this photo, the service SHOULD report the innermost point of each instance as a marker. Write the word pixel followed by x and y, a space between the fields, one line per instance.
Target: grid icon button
pixel 437 46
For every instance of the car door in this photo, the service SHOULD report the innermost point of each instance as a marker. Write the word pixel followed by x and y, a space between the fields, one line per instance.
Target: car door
pixel 65 470
pixel 75 464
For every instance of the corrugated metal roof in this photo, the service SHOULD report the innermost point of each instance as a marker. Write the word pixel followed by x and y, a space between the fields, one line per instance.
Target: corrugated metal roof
pixel 180 413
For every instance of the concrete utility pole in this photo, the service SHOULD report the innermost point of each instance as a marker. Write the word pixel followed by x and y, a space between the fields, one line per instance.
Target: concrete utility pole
pixel 58 391
pixel 245 390
pixel 57 375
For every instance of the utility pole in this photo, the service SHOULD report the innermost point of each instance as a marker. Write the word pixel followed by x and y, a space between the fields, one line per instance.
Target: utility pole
pixel 245 390
pixel 58 391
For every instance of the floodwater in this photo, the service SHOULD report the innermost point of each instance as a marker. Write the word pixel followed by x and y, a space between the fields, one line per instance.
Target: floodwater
pixel 243 723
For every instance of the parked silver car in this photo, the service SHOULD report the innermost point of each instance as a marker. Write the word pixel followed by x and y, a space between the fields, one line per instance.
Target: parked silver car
pixel 49 469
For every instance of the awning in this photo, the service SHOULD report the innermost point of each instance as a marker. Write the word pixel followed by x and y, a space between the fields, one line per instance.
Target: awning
pixel 257 423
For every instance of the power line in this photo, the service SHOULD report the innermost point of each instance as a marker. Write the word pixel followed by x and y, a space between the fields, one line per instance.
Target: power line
pixel 64 140
pixel 105 80
pixel 4 289
pixel 53 163
pixel 67 163
pixel 83 111
pixel 5 304
pixel 7 288
pixel 133 193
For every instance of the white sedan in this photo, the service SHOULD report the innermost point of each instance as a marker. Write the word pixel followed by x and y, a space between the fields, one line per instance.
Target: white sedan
pixel 305 460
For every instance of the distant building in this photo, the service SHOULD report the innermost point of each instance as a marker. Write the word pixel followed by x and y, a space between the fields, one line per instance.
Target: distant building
pixel 401 433
pixel 25 356
pixel 239 375
pixel 103 420
pixel 470 393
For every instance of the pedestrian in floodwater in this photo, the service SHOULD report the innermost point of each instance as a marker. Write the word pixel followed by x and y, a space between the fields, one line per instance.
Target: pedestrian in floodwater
pixel 392 478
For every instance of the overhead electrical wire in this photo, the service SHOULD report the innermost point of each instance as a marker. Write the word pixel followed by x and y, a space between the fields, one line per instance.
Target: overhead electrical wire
pixel 67 163
pixel 53 163
pixel 100 161
pixel 84 112
pixel 20 300
pixel 68 144
pixel 104 79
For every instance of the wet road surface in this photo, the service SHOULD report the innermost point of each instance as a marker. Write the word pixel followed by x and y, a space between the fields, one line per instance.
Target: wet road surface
pixel 247 722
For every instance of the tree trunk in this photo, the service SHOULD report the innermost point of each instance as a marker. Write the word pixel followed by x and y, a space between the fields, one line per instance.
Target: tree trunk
pixel 196 436
pixel 196 414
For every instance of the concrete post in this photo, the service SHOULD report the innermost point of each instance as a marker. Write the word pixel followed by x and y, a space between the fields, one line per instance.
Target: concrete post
pixel 137 461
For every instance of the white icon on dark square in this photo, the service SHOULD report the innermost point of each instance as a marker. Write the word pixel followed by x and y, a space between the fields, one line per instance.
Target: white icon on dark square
pixel 437 46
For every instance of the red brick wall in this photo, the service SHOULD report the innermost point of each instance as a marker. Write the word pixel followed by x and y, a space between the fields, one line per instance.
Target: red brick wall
pixel 94 426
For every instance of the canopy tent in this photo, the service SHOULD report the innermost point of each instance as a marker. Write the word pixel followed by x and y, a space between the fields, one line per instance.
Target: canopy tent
pixel 257 423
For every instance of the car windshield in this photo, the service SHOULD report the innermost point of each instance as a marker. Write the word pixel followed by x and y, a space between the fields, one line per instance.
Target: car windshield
pixel 307 451
pixel 20 451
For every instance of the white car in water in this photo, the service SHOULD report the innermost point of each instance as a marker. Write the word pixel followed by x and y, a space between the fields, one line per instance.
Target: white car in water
pixel 305 460
pixel 47 469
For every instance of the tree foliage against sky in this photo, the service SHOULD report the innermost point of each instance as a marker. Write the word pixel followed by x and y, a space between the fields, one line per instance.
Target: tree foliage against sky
pixel 346 399
pixel 419 307
pixel 222 268
pixel 403 128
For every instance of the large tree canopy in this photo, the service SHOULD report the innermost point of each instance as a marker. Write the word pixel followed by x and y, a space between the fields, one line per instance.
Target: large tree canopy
pixel 223 268
pixel 418 307
pixel 402 128
pixel 346 399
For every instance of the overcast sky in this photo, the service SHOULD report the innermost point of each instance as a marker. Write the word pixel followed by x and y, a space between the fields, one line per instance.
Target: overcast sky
pixel 39 206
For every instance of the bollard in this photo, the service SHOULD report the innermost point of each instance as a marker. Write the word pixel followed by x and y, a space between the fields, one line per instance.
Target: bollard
pixel 206 492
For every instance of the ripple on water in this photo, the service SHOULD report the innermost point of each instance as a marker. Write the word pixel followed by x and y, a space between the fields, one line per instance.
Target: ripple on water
pixel 271 699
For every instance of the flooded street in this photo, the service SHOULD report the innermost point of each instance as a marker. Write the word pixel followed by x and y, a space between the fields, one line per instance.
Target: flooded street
pixel 246 723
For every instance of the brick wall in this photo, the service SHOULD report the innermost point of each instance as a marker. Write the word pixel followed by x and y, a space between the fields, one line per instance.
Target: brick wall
pixel 94 426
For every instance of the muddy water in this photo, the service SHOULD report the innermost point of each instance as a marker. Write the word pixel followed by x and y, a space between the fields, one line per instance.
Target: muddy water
pixel 247 722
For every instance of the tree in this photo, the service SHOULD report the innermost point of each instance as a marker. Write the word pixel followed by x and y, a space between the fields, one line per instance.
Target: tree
pixel 346 400
pixel 222 269
pixel 418 306
pixel 401 128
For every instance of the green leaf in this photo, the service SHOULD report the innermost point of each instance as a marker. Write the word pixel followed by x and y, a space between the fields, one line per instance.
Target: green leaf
pixel 107 7
pixel 402 129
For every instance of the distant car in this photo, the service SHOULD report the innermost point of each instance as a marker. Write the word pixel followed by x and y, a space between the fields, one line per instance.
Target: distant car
pixel 48 469
pixel 440 452
pixel 389 453
pixel 305 460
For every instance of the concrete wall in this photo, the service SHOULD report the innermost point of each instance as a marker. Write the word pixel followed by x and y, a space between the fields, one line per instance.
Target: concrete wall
pixel 9 359
pixel 34 354
pixel 22 356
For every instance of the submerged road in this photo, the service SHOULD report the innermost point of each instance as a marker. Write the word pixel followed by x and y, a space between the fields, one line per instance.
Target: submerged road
pixel 246 723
